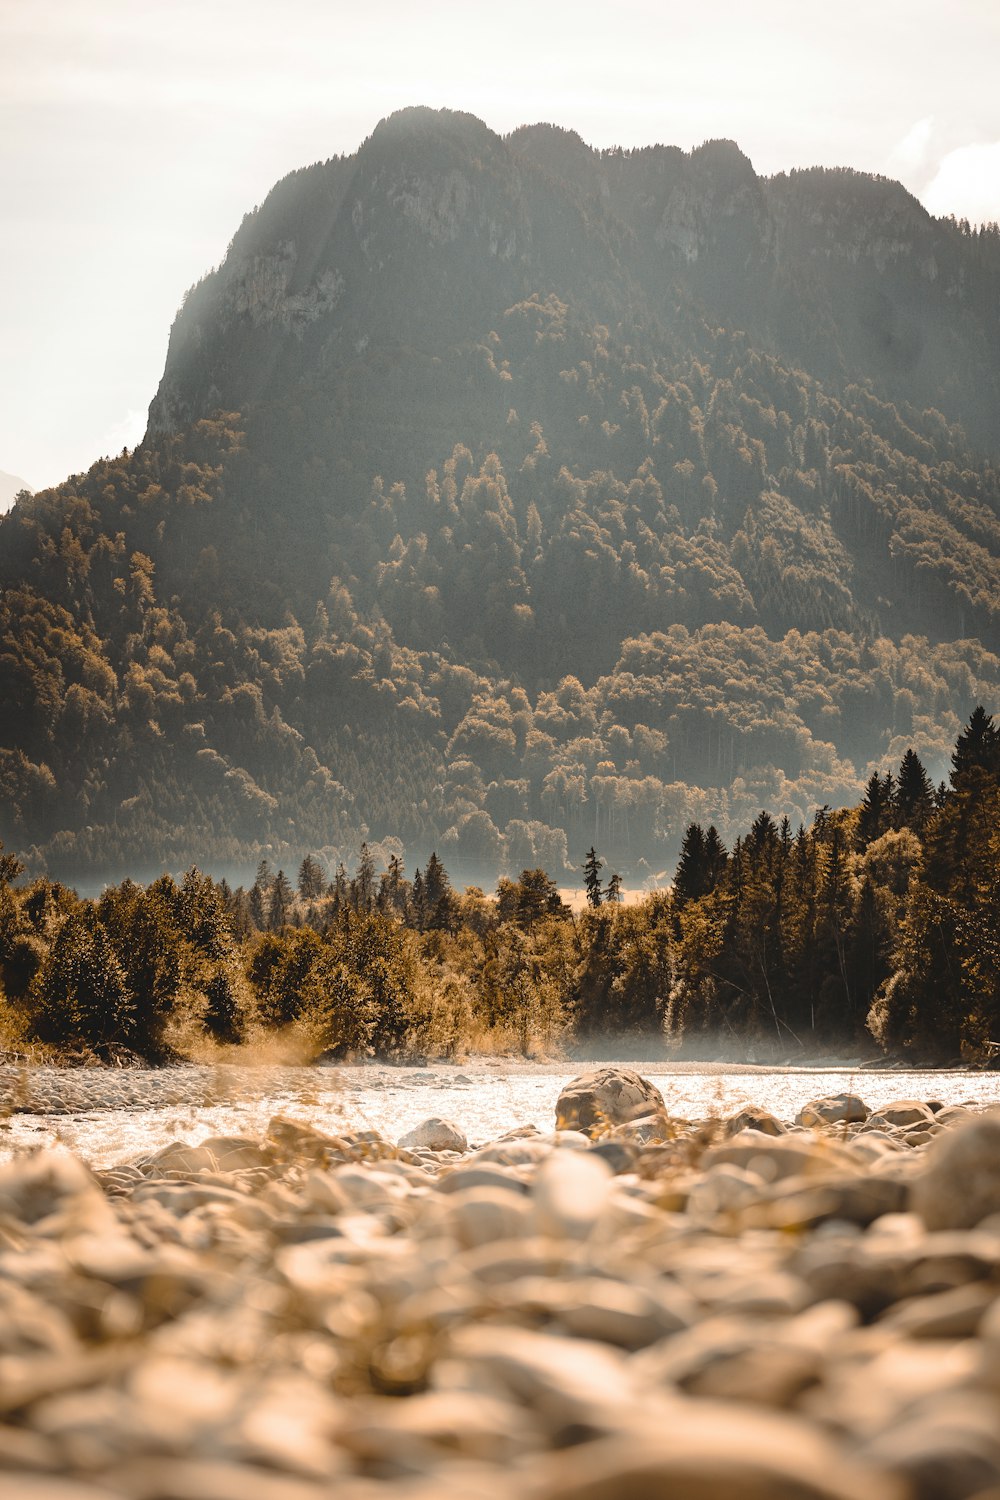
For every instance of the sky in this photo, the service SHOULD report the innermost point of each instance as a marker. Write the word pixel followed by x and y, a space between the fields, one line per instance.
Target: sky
pixel 135 134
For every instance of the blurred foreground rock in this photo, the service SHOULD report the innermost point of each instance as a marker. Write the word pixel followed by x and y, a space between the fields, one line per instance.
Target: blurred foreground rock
pixel 750 1309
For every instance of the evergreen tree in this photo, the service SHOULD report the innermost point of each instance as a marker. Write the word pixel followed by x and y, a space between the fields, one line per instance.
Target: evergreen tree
pixel 392 890
pixel 715 859
pixel 691 876
pixel 281 901
pixel 311 881
pixel 592 868
pixel 257 907
pixel 81 994
pixel 913 795
pixel 875 810
pixel 363 884
pixel 977 751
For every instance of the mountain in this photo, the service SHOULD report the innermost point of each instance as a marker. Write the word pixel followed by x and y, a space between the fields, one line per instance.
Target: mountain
pixel 10 488
pixel 504 496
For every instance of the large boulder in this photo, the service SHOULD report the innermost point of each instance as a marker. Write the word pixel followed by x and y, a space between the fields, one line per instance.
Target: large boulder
pixel 596 1101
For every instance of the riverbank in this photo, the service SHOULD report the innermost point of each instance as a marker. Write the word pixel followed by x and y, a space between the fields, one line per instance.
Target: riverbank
pixel 681 1305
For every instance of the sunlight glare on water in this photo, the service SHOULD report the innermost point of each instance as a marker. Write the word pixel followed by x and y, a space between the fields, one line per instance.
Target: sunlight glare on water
pixel 110 1116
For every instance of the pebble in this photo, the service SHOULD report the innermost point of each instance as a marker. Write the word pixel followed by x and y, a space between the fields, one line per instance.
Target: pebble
pixel 751 1308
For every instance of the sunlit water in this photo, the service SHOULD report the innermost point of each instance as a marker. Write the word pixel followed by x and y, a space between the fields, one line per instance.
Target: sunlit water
pixel 111 1116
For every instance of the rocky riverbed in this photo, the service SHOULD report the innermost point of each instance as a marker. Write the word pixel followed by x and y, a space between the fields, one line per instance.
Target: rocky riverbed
pixel 622 1306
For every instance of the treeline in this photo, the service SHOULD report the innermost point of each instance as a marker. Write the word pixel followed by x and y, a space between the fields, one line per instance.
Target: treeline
pixel 878 923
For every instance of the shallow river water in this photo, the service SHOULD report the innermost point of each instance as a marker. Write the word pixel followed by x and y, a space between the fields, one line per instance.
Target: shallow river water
pixel 110 1115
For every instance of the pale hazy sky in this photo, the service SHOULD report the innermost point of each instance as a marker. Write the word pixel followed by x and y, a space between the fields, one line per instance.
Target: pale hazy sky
pixel 134 135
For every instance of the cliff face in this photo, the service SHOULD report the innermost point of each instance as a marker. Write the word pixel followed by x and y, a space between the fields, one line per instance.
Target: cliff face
pixel 436 225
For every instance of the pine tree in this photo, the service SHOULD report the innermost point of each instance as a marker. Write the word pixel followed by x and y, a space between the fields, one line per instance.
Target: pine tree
pixel 691 876
pixel 977 750
pixel 716 859
pixel 363 884
pixel 614 890
pixel 282 897
pixel 913 795
pixel 592 867
pixel 875 809
pixel 311 881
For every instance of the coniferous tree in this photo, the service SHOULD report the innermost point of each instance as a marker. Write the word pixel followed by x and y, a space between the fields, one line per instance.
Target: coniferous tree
pixel 913 794
pixel 592 867
pixel 691 878
pixel 363 884
pixel 280 906
pixel 875 810
pixel 311 880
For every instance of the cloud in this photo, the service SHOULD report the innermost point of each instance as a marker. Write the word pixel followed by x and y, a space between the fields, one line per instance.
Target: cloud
pixel 967 184
pixel 127 432
pixel 909 161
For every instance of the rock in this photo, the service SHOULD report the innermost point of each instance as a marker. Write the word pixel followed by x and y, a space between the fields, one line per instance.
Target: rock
pixel 833 1109
pixel 434 1135
pixel 483 1215
pixel 753 1117
pixel 735 1359
pixel 437 1424
pixel 165 1478
pixel 606 1097
pixel 955 1314
pixel 570 1191
pixel 620 1156
pixel 566 1383
pixel 775 1157
pixel 641 1131
pixel 960 1181
pixel 947 1450
pixel 176 1159
pixel 461 1178
pixel 35 1487
pixel 724 1188
pixel 52 1191
pixel 710 1450
pixel 802 1202
pixel 625 1317
pixel 902 1113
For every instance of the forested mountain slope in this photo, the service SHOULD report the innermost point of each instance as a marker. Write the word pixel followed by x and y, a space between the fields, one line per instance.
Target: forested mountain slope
pixel 503 496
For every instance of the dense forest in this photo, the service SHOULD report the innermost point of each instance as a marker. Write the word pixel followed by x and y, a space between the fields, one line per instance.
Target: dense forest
pixel 876 924
pixel 503 497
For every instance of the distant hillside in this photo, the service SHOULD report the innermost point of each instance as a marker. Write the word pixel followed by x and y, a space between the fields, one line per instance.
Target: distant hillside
pixel 10 488
pixel 503 496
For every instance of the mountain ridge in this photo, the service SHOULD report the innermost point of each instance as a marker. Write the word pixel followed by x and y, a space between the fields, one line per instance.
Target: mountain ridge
pixel 503 496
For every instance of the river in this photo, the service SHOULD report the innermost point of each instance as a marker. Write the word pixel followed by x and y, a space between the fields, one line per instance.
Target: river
pixel 111 1115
